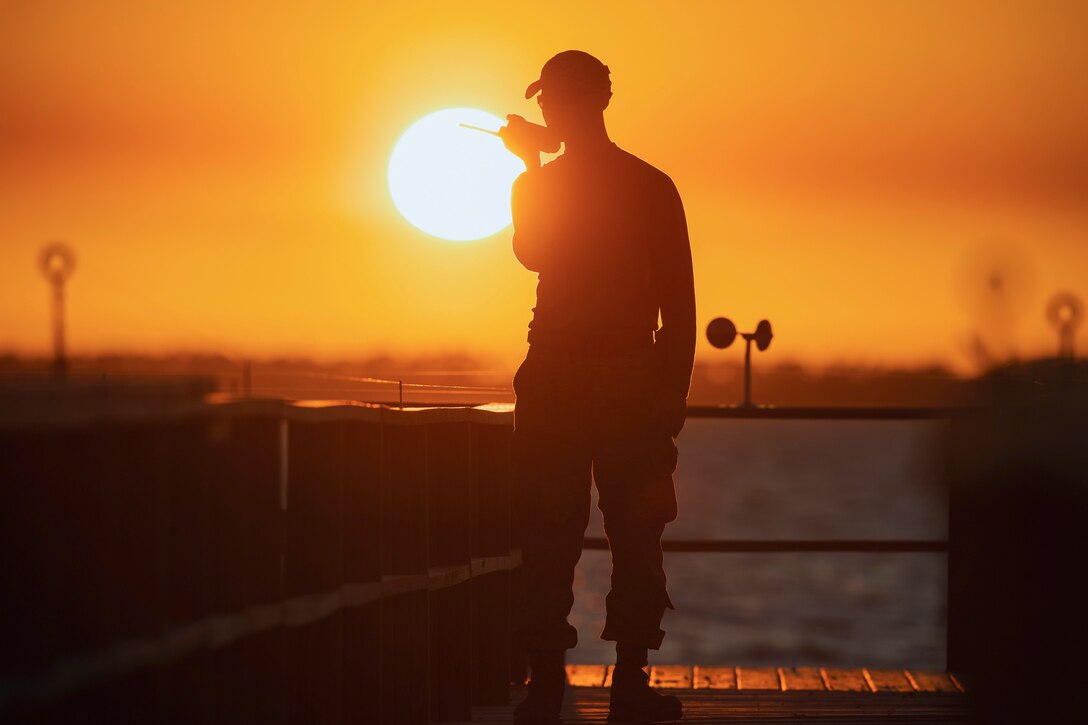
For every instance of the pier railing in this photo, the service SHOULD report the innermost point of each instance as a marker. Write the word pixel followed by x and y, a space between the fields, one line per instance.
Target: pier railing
pixel 255 561
pixel 311 562
pixel 828 545
pixel 886 546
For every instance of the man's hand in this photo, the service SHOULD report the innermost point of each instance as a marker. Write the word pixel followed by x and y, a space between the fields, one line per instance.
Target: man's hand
pixel 520 143
pixel 670 410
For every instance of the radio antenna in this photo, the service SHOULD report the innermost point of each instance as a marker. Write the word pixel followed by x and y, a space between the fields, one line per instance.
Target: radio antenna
pixel 477 128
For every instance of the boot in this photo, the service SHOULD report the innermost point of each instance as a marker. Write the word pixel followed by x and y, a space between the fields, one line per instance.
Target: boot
pixel 547 682
pixel 631 699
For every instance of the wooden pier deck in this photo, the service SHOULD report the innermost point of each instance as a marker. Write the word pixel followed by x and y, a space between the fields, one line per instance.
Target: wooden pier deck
pixel 771 695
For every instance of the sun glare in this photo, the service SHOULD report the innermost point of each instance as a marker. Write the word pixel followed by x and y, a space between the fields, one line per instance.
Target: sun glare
pixel 450 181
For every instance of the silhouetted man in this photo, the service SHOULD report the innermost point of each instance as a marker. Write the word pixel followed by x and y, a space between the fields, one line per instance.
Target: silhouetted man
pixel 602 391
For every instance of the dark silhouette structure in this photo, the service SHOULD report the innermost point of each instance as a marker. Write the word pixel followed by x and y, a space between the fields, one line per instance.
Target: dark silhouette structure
pixel 57 262
pixel 1018 475
pixel 721 332
pixel 602 392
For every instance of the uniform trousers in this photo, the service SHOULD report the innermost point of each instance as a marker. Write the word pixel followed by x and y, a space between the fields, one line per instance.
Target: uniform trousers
pixel 582 418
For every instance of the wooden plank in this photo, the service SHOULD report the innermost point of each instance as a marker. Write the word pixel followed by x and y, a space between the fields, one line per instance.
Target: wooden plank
pixel 758 678
pixel 843 680
pixel 713 678
pixel 585 675
pixel 889 681
pixel 801 678
pixel 706 705
pixel 794 679
pixel 671 676
pixel 930 681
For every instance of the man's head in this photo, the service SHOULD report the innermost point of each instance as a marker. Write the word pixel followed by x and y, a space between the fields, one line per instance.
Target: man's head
pixel 574 90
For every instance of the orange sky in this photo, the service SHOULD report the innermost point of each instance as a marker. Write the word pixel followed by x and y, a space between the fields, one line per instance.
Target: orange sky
pixel 220 168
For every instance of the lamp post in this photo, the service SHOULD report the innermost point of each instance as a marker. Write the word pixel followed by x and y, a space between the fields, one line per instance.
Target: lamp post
pixel 1065 312
pixel 57 262
pixel 721 332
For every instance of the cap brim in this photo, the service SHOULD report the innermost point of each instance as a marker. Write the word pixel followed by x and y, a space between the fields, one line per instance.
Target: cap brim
pixel 533 89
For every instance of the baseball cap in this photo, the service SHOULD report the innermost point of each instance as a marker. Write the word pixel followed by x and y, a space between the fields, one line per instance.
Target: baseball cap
pixel 573 70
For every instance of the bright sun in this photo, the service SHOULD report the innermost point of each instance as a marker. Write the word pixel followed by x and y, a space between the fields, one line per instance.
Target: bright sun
pixel 453 182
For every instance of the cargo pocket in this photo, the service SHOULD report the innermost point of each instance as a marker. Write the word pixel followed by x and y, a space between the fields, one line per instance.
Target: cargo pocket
pixel 663 453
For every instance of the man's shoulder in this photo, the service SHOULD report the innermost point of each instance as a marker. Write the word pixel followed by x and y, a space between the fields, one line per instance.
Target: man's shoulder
pixel 629 167
pixel 647 174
